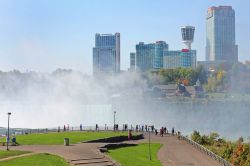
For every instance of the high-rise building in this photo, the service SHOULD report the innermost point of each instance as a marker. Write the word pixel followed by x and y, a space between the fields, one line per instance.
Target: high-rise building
pixel 150 56
pixel 132 61
pixel 220 30
pixel 180 58
pixel 106 53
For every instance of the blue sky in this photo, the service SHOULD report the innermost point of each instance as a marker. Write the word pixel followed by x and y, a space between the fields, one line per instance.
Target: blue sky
pixel 44 35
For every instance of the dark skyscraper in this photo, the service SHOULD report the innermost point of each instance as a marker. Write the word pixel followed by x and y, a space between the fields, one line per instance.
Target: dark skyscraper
pixel 106 53
pixel 132 61
pixel 220 30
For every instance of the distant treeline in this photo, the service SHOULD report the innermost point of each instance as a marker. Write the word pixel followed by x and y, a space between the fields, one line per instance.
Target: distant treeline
pixel 234 79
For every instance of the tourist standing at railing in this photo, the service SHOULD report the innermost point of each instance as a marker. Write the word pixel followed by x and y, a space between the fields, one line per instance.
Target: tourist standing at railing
pixel 64 128
pixel 165 130
pixel 172 131
pixel 152 128
pixel 80 127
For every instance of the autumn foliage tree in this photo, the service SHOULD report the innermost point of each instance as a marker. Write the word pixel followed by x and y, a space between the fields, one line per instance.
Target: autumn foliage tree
pixel 238 153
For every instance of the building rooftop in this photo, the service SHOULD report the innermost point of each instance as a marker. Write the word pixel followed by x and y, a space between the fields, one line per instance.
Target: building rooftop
pixel 220 7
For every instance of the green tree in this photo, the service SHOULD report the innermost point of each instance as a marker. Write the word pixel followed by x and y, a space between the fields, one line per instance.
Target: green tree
pixel 211 84
pixel 202 74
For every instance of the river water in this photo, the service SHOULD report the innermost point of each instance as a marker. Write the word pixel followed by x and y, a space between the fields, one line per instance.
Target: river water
pixel 230 120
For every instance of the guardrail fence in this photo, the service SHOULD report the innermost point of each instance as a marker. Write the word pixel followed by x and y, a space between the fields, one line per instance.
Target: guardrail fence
pixel 206 151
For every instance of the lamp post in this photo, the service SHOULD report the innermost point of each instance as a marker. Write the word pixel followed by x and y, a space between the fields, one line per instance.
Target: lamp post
pixel 8 137
pixel 114 120
pixel 149 148
pixel 113 105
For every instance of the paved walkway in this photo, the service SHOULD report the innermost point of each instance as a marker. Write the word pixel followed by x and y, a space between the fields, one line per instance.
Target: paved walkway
pixel 179 153
pixel 173 153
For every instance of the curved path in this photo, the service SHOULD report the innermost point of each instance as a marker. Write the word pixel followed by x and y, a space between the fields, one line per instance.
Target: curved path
pixel 179 153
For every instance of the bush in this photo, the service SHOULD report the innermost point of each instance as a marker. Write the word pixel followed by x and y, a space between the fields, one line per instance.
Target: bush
pixel 236 152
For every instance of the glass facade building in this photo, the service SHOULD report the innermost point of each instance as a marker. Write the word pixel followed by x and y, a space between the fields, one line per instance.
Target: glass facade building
pixel 220 34
pixel 181 58
pixel 150 56
pixel 132 61
pixel 106 53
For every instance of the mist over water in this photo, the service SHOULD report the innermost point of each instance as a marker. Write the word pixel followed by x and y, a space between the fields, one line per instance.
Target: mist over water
pixel 229 120
pixel 39 100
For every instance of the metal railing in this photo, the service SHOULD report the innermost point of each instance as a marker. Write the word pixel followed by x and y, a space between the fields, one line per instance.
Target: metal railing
pixel 67 129
pixel 206 151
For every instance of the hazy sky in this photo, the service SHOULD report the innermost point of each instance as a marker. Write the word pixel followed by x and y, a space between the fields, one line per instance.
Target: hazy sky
pixel 44 35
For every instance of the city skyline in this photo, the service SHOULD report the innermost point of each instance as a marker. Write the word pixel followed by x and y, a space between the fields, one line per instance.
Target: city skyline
pixel 62 36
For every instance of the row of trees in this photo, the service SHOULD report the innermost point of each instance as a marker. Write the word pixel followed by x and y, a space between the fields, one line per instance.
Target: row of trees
pixel 238 153
pixel 189 76
pixel 234 79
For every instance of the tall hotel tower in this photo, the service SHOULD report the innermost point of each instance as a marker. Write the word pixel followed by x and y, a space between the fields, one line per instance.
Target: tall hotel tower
pixel 220 40
pixel 106 53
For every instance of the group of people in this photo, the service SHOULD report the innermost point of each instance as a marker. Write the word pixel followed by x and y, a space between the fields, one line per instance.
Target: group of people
pixel 138 128
pixel 124 127
pixel 116 127
pixel 142 128
pixel 66 128
pixel 164 131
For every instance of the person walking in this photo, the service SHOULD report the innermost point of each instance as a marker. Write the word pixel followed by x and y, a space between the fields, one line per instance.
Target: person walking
pixel 156 132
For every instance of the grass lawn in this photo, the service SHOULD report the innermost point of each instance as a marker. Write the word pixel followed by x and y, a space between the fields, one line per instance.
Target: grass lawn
pixel 58 138
pixel 136 155
pixel 36 160
pixel 5 153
